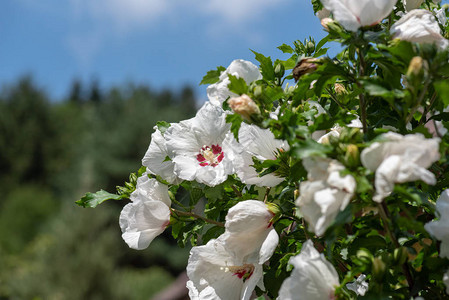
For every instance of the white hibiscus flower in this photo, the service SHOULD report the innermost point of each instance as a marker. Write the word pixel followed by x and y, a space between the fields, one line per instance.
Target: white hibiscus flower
pixel 325 193
pixel 155 158
pixel 260 143
pixel 400 159
pixel 147 215
pixel 219 91
pixel 197 144
pixel 420 26
pixel 230 267
pixel 313 278
pixel 440 228
pixel 215 274
pixel 353 14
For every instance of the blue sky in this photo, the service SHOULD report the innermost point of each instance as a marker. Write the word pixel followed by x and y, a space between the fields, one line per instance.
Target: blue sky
pixel 162 43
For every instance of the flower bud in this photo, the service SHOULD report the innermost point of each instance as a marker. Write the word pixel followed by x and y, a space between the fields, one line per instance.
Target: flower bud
pixel 400 255
pixel 379 269
pixel 416 66
pixel 310 47
pixel 258 91
pixel 296 194
pixel 244 106
pixel 352 155
pixel 340 89
pixel 279 70
pixel 325 23
pixel 304 66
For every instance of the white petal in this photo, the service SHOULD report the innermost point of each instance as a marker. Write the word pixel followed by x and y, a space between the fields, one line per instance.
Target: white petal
pixel 210 270
pixel 412 4
pixel 219 92
pixel 260 142
pixel 142 221
pixel 419 25
pixel 149 189
pixel 186 139
pixel 268 246
pixel 353 14
pixel 249 233
pixel 313 277
pixel 440 228
pixel 155 156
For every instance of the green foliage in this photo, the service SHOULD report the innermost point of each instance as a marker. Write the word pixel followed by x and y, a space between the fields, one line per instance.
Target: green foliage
pixel 93 199
pixel 52 152
pixel 212 76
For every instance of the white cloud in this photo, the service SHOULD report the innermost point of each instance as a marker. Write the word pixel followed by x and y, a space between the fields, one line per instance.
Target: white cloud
pixel 94 22
pixel 119 15
pixel 239 11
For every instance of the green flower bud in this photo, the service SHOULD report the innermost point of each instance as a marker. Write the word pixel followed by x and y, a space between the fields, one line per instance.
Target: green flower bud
pixel 258 91
pixel 279 70
pixel 400 255
pixel 310 47
pixel 352 155
pixel 379 269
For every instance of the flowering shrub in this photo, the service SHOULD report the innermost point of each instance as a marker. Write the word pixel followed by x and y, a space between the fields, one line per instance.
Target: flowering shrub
pixel 328 181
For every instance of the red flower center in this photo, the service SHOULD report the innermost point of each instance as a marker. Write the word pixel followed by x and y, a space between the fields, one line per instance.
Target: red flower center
pixel 210 156
pixel 243 272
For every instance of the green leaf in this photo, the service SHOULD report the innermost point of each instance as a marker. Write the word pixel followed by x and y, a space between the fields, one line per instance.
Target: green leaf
pixel 94 199
pixel 212 76
pixel 237 85
pixel 212 233
pixel 442 87
pixel 162 126
pixel 236 121
pixel 195 195
pixel 443 116
pixel 317 6
pixel 286 48
pixel 310 148
pixel 214 193
pixel 376 89
pixel 266 66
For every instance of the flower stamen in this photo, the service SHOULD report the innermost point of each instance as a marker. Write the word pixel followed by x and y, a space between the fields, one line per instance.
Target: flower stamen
pixel 210 156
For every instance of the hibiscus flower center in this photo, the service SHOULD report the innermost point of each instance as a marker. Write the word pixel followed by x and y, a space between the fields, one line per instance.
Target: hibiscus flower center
pixel 243 272
pixel 210 156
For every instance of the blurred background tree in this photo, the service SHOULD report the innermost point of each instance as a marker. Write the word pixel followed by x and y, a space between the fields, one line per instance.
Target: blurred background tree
pixel 51 153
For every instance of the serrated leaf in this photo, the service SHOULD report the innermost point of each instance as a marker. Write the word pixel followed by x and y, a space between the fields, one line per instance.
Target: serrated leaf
pixel 94 199
pixel 236 121
pixel 266 66
pixel 214 193
pixel 237 85
pixel 286 48
pixel 212 76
